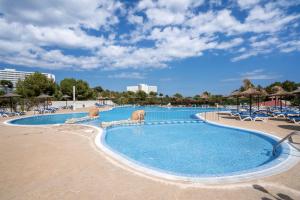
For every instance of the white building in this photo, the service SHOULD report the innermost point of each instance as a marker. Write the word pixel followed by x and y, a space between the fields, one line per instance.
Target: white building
pixel 14 76
pixel 142 87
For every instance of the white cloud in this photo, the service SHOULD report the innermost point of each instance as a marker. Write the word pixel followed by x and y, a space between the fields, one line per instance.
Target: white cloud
pixel 164 17
pixel 230 44
pixel 70 13
pixel 128 75
pixel 135 19
pixel 257 74
pixel 245 4
pixel 46 34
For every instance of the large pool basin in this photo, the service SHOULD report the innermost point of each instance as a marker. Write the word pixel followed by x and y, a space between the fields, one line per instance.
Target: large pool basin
pixel 193 149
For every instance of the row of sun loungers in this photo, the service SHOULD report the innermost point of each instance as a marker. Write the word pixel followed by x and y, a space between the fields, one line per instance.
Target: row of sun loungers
pixel 254 117
pixel 292 115
pixel 46 110
pixel 10 114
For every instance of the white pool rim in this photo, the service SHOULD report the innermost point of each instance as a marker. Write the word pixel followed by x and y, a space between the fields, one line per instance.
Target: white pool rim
pixel 280 167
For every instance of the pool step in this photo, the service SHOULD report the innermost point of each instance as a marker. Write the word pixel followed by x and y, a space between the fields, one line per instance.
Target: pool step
pixel 135 123
pixel 81 119
pixel 120 123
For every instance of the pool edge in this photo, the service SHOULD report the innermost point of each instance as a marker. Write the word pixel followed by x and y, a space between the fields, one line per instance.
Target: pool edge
pixel 270 171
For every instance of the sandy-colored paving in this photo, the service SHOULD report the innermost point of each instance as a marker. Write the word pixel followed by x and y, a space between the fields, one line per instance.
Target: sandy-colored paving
pixel 62 162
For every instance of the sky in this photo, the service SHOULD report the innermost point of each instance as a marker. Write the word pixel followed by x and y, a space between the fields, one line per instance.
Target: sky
pixel 185 46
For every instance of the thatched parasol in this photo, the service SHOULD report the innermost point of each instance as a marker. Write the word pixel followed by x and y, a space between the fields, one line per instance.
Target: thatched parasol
pixel 297 92
pixel 66 97
pixel 10 96
pixel 237 95
pixel 45 97
pixel 279 92
pixel 264 93
pixel 101 99
pixel 250 92
pixel 205 97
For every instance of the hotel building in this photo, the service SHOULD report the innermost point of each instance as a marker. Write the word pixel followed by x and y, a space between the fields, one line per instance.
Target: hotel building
pixel 142 87
pixel 14 76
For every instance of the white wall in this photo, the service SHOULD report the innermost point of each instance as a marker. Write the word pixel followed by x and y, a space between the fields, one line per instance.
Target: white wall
pixel 79 104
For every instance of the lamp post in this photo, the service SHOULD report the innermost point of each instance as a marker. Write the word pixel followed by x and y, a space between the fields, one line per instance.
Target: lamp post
pixel 74 98
pixel 5 86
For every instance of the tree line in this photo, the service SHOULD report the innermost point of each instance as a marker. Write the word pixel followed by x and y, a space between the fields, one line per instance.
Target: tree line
pixel 37 83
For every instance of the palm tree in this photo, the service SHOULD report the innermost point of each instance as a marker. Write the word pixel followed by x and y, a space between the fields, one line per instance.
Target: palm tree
pixel 178 96
pixel 246 85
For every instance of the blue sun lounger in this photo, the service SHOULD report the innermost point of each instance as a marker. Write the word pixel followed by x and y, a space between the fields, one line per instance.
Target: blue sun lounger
pixel 295 119
pixel 254 117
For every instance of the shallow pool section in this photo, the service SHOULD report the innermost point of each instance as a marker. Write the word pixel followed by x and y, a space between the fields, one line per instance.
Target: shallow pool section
pixel 153 113
pixel 192 150
pixel 46 119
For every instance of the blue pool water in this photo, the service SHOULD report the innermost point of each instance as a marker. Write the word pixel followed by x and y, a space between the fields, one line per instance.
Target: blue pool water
pixel 121 113
pixel 47 119
pixel 152 114
pixel 195 149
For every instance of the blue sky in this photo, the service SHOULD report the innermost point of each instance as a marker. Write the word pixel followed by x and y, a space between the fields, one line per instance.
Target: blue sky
pixel 185 46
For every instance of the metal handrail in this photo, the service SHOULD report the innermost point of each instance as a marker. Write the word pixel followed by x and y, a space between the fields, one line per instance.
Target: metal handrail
pixel 289 137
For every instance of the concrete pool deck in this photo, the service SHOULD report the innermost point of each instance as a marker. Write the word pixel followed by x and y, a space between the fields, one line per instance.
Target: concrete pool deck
pixel 62 162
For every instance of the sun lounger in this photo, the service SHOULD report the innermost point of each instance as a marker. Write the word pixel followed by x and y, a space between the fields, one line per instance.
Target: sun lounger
pixel 295 119
pixel 244 117
pixel 260 117
pixel 254 117
pixel 3 114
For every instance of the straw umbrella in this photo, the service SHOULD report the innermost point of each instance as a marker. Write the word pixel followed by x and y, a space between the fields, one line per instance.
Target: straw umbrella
pixel 10 96
pixel 205 96
pixel 101 99
pixel 66 97
pixel 297 92
pixel 236 94
pixel 45 97
pixel 263 92
pixel 280 92
pixel 250 92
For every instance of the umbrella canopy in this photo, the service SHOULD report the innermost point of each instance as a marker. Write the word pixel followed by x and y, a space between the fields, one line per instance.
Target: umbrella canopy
pixel 43 96
pixel 10 96
pixel 101 98
pixel 65 96
pixel 297 91
pixel 236 94
pixel 263 92
pixel 204 96
pixel 251 92
pixel 279 91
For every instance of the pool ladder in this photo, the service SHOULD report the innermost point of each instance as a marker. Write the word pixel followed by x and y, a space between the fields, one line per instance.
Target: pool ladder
pixel 288 137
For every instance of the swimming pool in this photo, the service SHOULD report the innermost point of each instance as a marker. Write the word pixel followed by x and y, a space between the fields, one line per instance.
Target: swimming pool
pixel 153 113
pixel 193 149
pixel 175 142
pixel 46 119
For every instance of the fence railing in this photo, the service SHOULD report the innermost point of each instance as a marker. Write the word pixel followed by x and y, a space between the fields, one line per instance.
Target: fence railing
pixel 171 115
